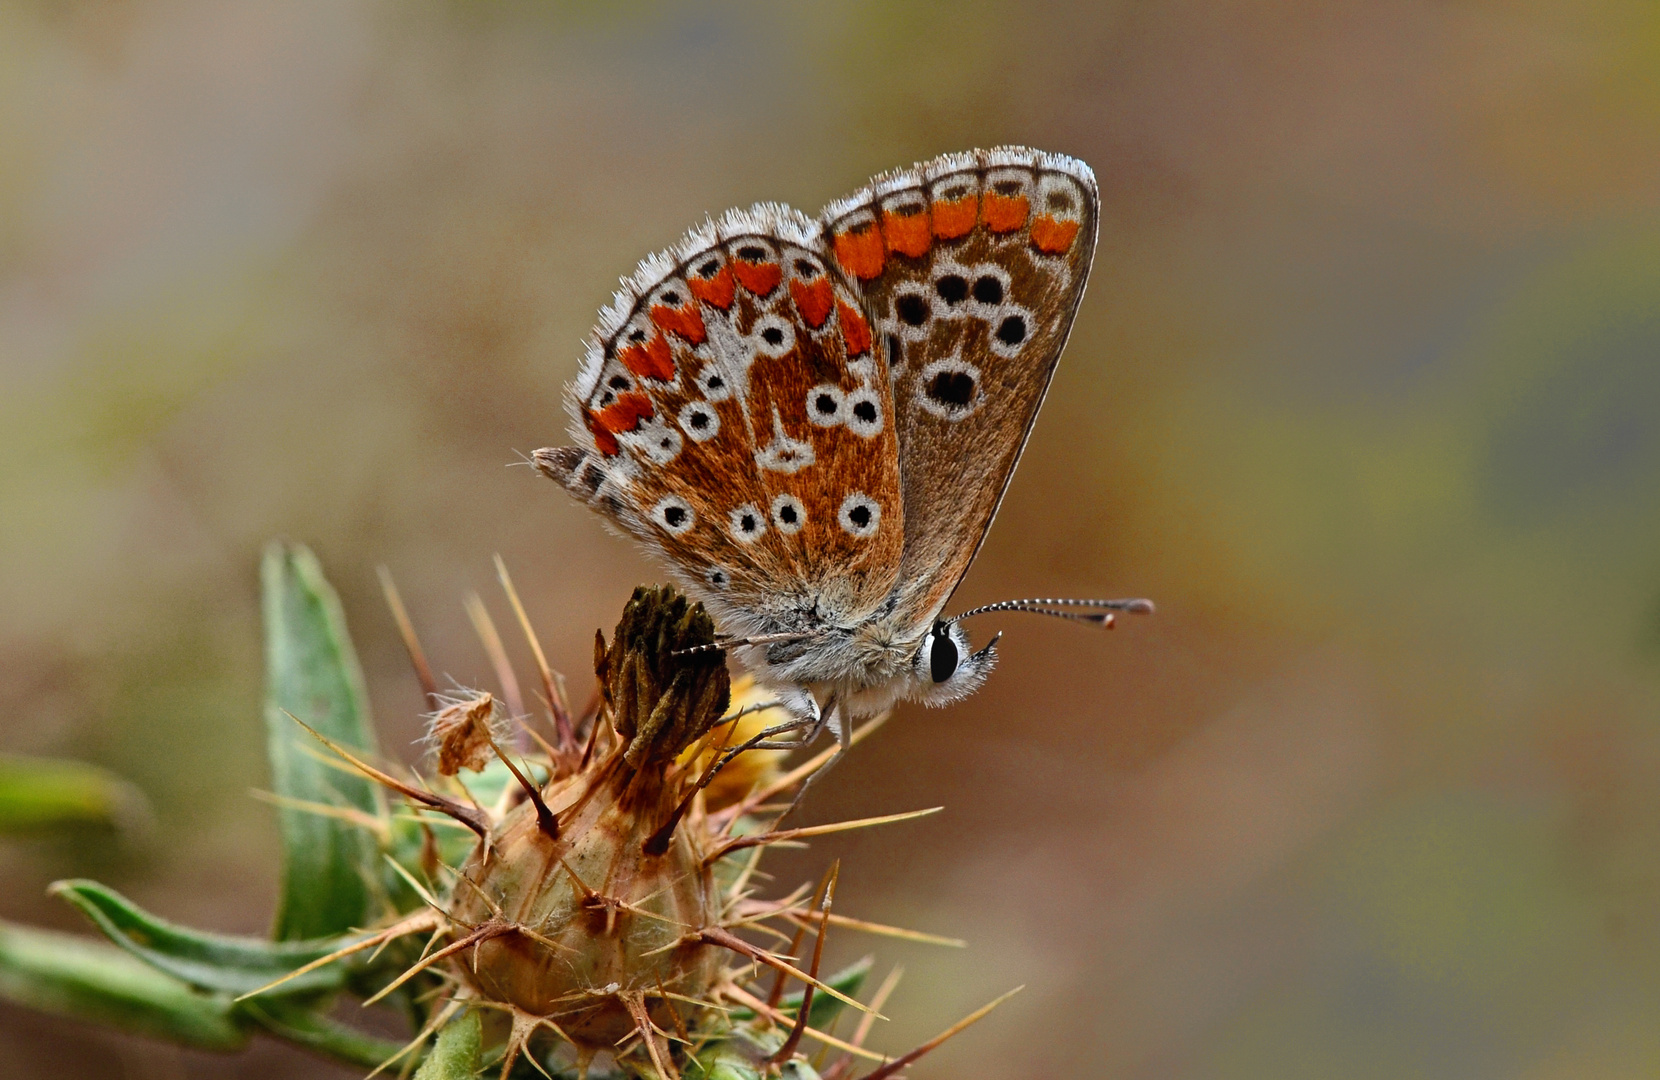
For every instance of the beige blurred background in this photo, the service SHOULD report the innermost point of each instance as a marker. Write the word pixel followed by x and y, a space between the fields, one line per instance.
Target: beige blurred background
pixel 1365 392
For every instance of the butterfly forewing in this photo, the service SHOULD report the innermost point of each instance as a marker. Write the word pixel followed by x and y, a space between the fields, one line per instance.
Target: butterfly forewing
pixel 735 412
pixel 972 267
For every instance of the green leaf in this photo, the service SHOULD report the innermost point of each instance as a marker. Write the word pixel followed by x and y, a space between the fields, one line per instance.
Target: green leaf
pixel 41 793
pixel 312 673
pixel 825 1008
pixel 218 962
pixel 320 1034
pixel 455 1057
pixel 98 983
pixel 742 1054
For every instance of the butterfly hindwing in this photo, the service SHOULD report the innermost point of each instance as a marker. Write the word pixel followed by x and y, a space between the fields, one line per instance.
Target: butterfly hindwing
pixel 735 414
pixel 972 267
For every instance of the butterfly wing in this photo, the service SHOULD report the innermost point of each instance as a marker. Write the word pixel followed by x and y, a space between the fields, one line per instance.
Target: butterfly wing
pixel 734 414
pixel 972 267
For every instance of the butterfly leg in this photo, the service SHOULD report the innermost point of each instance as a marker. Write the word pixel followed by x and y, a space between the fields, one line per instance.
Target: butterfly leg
pixel 806 716
pixel 836 719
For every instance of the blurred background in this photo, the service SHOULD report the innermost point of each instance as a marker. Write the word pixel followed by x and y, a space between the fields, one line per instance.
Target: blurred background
pixel 1365 393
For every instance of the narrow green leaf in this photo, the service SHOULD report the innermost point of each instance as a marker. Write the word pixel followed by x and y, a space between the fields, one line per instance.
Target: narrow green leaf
pixel 42 793
pixel 318 1033
pixel 455 1057
pixel 312 673
pixel 98 983
pixel 217 962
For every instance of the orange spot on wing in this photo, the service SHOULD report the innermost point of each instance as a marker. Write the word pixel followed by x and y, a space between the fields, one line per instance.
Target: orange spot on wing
pixel 684 320
pixel 859 250
pixel 908 235
pixel 625 413
pixel 717 291
pixel 604 440
pixel 1051 235
pixel 813 300
pixel 1005 213
pixel 758 278
pixel 956 218
pixel 650 359
pixel 855 331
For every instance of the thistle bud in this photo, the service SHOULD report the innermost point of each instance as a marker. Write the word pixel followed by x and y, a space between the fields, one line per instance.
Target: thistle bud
pixel 582 926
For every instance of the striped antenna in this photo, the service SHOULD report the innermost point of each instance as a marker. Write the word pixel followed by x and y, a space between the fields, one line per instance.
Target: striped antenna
pixel 1103 616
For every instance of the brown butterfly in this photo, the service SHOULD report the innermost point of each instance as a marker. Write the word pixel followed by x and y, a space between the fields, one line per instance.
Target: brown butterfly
pixel 813 422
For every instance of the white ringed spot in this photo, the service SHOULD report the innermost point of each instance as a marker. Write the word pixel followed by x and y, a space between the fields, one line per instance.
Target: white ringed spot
pixel 659 442
pixel 674 514
pixel 788 514
pixel 911 311
pixel 864 413
pixel 826 405
pixel 748 523
pixel 713 382
pixel 1009 330
pixel 772 336
pixel 860 515
pixel 699 420
pixel 950 388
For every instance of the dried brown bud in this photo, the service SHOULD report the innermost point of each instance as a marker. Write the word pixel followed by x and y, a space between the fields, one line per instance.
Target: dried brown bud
pixel 462 730
pixel 660 700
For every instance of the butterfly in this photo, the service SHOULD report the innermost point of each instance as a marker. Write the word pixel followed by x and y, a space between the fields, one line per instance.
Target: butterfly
pixel 813 421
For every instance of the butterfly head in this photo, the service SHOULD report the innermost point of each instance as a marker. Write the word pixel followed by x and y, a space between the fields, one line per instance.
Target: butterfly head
pixel 946 668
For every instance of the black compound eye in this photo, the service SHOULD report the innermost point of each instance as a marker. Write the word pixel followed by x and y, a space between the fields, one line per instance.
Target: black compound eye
pixel 942 656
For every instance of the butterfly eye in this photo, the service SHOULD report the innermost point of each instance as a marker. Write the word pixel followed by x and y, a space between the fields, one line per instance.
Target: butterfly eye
pixel 942 655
